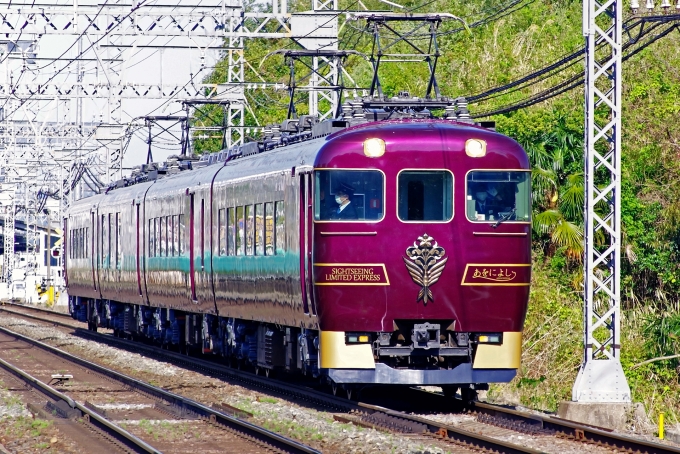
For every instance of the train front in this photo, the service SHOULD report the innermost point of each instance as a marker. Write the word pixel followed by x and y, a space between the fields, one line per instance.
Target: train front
pixel 421 254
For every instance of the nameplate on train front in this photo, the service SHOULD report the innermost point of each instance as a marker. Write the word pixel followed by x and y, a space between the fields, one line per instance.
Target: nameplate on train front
pixel 497 274
pixel 350 274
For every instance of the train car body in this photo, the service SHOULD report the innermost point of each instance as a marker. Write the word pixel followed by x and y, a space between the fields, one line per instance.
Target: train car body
pixel 416 281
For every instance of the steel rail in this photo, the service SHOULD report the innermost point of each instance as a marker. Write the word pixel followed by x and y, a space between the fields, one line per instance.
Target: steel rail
pixel 454 433
pixel 117 432
pixel 35 309
pixel 179 402
pixel 578 431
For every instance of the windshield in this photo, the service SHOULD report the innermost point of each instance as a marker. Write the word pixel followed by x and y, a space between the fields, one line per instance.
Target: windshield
pixel 494 195
pixel 425 195
pixel 348 195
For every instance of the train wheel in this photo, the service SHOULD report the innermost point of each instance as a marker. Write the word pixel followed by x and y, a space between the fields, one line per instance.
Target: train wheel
pixel 450 391
pixel 468 395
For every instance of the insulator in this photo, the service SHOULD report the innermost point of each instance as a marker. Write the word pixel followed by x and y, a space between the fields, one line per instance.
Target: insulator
pixel 650 5
pixel 665 4
pixel 635 5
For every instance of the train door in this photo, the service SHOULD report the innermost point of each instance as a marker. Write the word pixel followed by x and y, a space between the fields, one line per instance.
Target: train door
pixel 139 246
pixel 190 242
pixel 306 236
pixel 94 260
pixel 65 250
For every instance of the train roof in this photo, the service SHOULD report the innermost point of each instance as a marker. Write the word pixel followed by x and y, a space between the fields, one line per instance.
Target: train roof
pixel 296 142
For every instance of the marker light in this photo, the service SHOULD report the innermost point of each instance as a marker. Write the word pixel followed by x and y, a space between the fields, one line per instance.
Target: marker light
pixel 489 339
pixel 374 148
pixel 363 338
pixel 475 148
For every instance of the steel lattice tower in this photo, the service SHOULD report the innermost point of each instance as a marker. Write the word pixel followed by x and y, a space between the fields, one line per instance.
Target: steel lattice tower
pixel 601 377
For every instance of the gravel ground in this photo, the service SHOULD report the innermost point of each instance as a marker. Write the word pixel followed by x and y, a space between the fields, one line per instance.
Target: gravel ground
pixel 316 428
pixel 21 434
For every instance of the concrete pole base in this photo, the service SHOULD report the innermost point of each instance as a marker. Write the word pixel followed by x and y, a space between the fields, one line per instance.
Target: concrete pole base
pixel 609 415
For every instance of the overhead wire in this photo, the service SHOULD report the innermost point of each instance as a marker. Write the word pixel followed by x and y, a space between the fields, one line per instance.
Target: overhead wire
pixel 578 79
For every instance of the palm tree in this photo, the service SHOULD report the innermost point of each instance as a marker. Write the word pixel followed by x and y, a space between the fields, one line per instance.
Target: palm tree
pixel 558 189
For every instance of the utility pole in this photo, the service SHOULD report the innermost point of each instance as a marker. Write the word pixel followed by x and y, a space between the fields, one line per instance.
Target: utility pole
pixel 601 378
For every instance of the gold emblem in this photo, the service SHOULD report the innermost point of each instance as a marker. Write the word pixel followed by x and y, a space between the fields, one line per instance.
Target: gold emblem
pixel 424 264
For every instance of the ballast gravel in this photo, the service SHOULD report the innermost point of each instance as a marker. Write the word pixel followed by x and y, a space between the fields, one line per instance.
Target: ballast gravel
pixel 307 425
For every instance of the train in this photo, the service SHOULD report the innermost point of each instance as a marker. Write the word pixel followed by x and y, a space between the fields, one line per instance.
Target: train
pixel 384 247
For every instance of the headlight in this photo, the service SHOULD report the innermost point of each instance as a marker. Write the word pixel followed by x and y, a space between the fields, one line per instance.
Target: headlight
pixel 374 148
pixel 475 148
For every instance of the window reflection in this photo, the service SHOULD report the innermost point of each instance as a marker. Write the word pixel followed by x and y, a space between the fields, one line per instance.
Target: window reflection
pixel 493 196
pixel 348 195
pixel 425 195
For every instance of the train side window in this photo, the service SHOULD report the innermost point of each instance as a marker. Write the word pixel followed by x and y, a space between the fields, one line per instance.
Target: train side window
pixel 222 232
pixel 119 250
pixel 280 231
pixel 109 242
pixel 498 195
pixel 240 234
pixel 250 229
pixel 425 195
pixel 230 232
pixel 259 229
pixel 349 195
pixel 172 225
pixel 159 239
pixel 105 241
pixel 164 236
pixel 180 234
pixel 86 246
pixel 151 233
pixel 269 228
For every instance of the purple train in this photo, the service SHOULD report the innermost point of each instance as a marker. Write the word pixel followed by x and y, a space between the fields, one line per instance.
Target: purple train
pixel 361 250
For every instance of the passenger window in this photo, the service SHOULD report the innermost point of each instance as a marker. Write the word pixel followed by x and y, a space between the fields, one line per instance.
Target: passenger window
pixel 250 224
pixel 164 236
pixel 349 195
pixel 172 235
pixel 230 232
pixel 259 229
pixel 280 232
pixel 152 231
pixel 222 233
pixel 494 196
pixel 181 235
pixel 110 242
pixel 425 195
pixel 104 241
pixel 119 249
pixel 269 228
pixel 240 233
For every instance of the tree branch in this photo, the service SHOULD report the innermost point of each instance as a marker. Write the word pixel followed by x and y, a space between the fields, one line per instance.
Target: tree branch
pixel 653 360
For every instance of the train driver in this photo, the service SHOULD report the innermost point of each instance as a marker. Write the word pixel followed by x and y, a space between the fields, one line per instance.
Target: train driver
pixel 345 209
pixel 486 202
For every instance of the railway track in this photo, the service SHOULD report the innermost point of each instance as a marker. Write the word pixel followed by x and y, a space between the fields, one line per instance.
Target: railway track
pixel 139 416
pixel 86 427
pixel 483 427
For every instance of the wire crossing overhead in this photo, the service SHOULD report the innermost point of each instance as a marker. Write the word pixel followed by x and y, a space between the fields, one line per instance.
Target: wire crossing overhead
pixel 638 33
